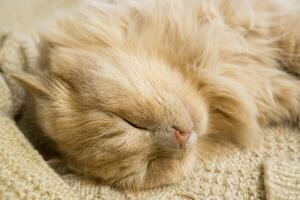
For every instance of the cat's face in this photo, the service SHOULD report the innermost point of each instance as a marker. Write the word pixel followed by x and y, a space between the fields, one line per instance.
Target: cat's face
pixel 128 120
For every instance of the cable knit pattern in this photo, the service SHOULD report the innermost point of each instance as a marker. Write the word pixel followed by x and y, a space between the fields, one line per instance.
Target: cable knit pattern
pixel 23 173
pixel 282 179
pixel 271 171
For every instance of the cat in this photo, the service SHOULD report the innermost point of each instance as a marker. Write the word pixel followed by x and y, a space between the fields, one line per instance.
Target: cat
pixel 132 92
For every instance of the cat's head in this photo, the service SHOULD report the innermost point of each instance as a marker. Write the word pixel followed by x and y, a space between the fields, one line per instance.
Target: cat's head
pixel 128 119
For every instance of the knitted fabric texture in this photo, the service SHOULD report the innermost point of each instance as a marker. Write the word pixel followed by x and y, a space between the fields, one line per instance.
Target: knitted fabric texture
pixel 282 179
pixel 270 171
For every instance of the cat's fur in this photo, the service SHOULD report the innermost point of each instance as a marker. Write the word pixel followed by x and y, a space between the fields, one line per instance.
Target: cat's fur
pixel 119 78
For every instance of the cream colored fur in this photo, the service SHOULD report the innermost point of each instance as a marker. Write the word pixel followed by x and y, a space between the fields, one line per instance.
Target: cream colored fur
pixel 117 78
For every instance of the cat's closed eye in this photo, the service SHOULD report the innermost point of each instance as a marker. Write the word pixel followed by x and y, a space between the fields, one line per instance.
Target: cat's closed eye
pixel 131 123
pixel 135 125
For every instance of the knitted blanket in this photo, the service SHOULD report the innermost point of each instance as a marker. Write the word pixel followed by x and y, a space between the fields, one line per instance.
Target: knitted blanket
pixel 271 171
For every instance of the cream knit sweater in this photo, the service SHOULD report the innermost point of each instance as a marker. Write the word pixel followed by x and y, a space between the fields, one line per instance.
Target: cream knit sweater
pixel 271 171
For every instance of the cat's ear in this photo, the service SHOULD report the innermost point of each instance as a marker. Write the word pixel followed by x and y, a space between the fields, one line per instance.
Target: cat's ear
pixel 31 83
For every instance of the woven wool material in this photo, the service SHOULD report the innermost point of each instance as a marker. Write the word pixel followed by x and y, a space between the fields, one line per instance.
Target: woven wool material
pixel 25 175
pixel 282 179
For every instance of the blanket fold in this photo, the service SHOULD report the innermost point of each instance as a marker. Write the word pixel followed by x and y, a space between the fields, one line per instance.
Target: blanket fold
pixel 23 172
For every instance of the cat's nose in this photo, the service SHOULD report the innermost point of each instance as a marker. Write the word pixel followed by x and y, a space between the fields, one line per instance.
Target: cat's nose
pixel 181 137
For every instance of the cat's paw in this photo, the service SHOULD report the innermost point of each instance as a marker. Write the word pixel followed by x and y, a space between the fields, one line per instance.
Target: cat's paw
pixel 233 113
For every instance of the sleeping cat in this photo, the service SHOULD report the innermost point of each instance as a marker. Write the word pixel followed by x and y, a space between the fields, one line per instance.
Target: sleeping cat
pixel 132 92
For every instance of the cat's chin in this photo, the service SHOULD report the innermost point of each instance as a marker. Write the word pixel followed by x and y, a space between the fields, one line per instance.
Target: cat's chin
pixel 169 171
pixel 163 171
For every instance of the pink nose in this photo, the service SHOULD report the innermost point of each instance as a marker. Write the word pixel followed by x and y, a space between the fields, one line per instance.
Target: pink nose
pixel 182 137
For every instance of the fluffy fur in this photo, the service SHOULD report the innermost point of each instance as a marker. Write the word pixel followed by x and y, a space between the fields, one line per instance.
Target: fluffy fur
pixel 117 79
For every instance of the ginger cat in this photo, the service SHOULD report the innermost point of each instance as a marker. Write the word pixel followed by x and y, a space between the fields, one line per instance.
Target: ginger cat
pixel 131 91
